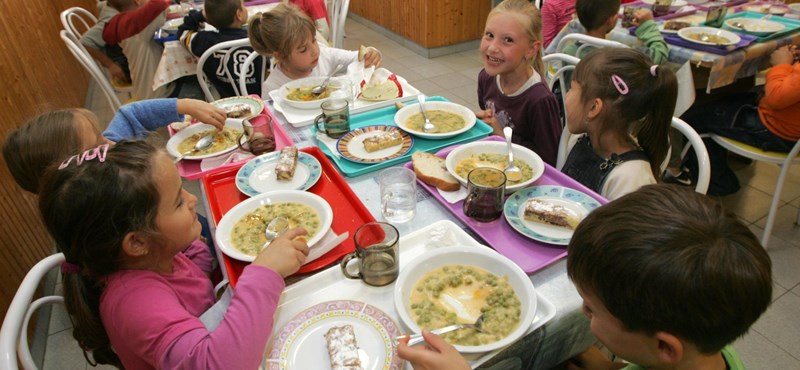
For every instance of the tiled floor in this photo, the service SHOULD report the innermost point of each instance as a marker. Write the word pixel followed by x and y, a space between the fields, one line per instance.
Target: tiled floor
pixel 773 342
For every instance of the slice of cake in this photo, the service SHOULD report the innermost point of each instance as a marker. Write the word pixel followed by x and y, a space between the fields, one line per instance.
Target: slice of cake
pixel 343 348
pixel 287 162
pixel 553 214
pixel 238 110
pixel 383 140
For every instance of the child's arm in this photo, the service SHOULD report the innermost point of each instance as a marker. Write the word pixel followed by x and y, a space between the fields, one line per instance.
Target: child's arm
pixel 140 118
pixel 190 27
pixel 647 31
pixel 593 359
pixel 438 354
pixel 199 253
pixel 782 87
pixel 127 24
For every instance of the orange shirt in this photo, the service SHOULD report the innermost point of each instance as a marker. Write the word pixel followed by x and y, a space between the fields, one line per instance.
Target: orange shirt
pixel 780 106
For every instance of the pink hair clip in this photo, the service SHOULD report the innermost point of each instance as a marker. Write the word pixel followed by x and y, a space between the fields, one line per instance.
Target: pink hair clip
pixel 653 69
pixel 99 153
pixel 619 84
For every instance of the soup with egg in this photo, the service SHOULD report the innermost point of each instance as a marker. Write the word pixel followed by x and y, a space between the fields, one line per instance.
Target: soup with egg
pixel 303 93
pixel 495 160
pixel 443 120
pixel 460 294
pixel 222 140
pixel 248 233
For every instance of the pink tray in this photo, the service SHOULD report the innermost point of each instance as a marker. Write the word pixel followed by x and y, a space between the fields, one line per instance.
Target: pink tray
pixel 191 170
pixel 531 255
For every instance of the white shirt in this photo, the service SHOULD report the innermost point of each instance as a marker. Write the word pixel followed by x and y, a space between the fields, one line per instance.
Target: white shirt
pixel 329 58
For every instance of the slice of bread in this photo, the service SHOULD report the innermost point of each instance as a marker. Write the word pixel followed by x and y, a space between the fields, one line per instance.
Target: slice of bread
pixel 431 170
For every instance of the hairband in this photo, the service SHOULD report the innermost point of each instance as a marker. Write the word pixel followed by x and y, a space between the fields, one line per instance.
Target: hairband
pixel 653 69
pixel 70 268
pixel 619 84
pixel 99 153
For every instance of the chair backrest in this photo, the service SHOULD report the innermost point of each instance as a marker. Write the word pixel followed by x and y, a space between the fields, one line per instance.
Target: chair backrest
pixel 559 67
pixel 695 142
pixel 14 332
pixel 228 54
pixel 586 41
pixel 246 65
pixel 338 14
pixel 86 61
pixel 77 21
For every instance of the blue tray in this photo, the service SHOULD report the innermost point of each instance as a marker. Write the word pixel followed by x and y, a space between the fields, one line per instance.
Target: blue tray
pixel 791 25
pixel 385 116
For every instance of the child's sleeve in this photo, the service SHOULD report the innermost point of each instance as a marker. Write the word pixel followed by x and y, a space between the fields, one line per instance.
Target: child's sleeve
pixel 190 27
pixel 127 24
pixel 544 119
pixel 657 48
pixel 137 119
pixel 782 87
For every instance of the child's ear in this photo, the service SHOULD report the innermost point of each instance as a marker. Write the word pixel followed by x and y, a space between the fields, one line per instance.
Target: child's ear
pixel 534 50
pixel 670 348
pixel 596 108
pixel 134 244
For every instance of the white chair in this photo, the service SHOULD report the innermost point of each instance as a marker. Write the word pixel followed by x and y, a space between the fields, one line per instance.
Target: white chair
pixel 338 14
pixel 246 65
pixel 695 141
pixel 225 52
pixel 785 160
pixel 14 333
pixel 558 68
pixel 77 21
pixel 587 41
pixel 87 62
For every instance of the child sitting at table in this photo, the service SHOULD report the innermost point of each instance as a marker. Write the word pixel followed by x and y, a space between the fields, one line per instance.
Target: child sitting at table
pixel 619 110
pixel 599 17
pixel 110 57
pixel 133 29
pixel 511 89
pixel 669 280
pixel 227 16
pixel 288 35
pixel 135 300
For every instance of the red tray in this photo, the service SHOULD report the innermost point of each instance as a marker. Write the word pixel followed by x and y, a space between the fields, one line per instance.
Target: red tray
pixel 349 212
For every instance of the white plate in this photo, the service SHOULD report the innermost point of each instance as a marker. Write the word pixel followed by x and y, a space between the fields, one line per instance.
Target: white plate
pixel 256 105
pixel 758 27
pixel 310 82
pixel 225 227
pixel 733 38
pixel 574 200
pixel 406 112
pixel 258 174
pixel 351 145
pixel 301 342
pixel 180 136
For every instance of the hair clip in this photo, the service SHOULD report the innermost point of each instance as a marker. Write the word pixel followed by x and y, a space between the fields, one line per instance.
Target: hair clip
pixel 619 84
pixel 653 69
pixel 99 153
pixel 70 268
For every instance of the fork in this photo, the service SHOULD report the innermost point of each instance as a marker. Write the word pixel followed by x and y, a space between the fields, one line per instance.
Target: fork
pixel 417 338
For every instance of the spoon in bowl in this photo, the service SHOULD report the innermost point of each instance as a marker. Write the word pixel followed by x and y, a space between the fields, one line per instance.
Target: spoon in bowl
pixel 202 144
pixel 275 228
pixel 324 85
pixel 428 126
pixel 513 173
pixel 417 338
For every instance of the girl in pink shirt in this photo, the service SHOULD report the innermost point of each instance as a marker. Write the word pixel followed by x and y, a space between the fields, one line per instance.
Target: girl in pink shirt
pixel 122 219
pixel 555 15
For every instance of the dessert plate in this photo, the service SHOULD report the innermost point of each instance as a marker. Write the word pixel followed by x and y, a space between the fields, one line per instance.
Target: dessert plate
pixel 256 105
pixel 574 200
pixel 258 174
pixel 301 342
pixel 351 145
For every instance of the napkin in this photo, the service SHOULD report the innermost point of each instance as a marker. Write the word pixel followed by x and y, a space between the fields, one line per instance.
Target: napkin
pixel 329 142
pixel 230 157
pixel 328 242
pixel 453 196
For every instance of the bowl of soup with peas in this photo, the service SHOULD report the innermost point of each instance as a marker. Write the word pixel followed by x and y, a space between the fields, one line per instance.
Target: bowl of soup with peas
pixel 467 157
pixel 240 233
pixel 449 119
pixel 458 284
pixel 297 93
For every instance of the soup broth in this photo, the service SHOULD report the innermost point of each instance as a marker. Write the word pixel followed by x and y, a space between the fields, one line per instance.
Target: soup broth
pixel 443 120
pixel 714 39
pixel 248 233
pixel 495 160
pixel 459 294
pixel 303 93
pixel 222 140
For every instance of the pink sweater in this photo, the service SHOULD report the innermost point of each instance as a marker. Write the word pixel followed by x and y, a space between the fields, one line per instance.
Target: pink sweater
pixel 152 319
pixel 555 15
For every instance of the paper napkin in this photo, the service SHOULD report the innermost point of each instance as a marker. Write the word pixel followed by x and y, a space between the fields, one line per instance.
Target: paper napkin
pixel 453 196
pixel 329 142
pixel 328 242
pixel 230 157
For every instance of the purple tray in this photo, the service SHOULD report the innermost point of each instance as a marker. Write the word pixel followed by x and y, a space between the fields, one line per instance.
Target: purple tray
pixel 531 255
pixel 720 50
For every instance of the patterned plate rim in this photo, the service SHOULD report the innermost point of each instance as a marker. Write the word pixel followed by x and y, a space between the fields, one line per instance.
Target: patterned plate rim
pixel 243 179
pixel 511 207
pixel 342 143
pixel 258 102
pixel 277 351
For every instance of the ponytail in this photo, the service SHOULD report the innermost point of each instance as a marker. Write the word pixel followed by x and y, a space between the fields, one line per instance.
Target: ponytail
pixel 653 132
pixel 82 300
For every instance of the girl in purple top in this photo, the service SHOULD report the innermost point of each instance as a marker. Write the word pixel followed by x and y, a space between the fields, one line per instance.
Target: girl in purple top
pixel 511 90
pixel 122 220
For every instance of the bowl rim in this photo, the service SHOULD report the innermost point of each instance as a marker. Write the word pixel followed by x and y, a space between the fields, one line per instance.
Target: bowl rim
pixel 683 33
pixel 466 113
pixel 513 270
pixel 538 165
pixel 175 140
pixel 222 234
pixel 779 26
pixel 313 104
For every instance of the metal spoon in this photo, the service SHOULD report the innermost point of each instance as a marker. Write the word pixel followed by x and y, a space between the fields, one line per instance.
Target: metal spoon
pixel 428 126
pixel 202 144
pixel 513 173
pixel 324 85
pixel 275 228
pixel 417 338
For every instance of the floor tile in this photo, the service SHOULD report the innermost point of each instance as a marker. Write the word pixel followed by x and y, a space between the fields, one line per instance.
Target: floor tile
pixel 781 326
pixel 785 260
pixel 757 353
pixel 749 203
pixel 796 290
pixel 471 72
pixel 455 80
pixel 763 176
pixel 63 353
pixel 785 226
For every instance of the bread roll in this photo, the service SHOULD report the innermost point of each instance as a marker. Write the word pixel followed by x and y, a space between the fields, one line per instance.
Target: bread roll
pixel 432 171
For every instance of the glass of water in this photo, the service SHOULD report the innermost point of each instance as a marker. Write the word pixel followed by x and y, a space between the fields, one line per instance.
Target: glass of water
pixel 398 194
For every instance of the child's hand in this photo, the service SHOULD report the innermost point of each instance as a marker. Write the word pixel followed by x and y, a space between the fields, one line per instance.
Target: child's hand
pixel 204 112
pixel 487 117
pixel 284 255
pixel 782 55
pixel 642 15
pixel 372 57
pixel 592 359
pixel 117 74
pixel 438 354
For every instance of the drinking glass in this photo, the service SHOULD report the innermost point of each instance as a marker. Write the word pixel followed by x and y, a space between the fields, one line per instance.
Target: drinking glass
pixel 259 136
pixel 398 186
pixel 485 190
pixel 377 249
pixel 335 118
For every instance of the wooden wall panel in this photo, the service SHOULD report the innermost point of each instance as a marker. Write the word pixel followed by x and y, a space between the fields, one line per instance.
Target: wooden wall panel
pixel 429 23
pixel 37 73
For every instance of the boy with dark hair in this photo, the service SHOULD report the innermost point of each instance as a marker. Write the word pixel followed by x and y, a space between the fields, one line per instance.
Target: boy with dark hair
pixel 669 279
pixel 227 16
